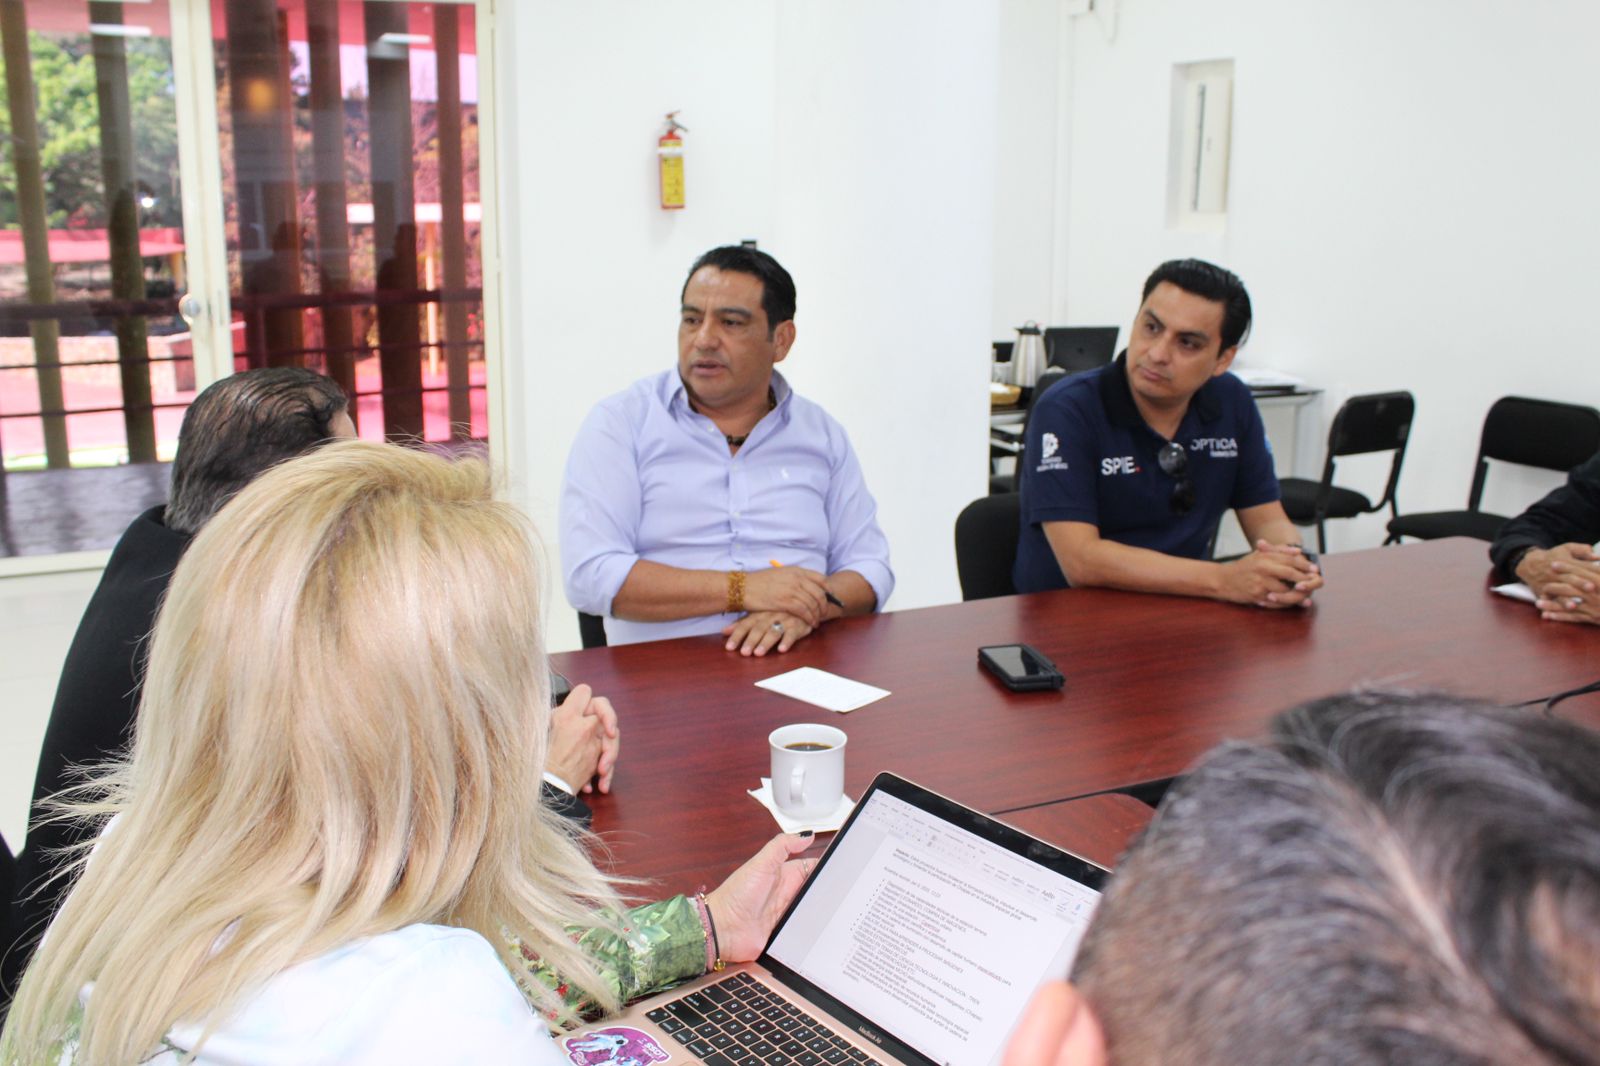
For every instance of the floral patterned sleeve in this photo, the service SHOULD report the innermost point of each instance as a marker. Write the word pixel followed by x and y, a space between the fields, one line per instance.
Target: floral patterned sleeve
pixel 659 944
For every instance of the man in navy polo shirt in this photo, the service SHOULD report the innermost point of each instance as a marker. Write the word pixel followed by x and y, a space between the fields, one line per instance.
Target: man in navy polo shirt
pixel 1129 468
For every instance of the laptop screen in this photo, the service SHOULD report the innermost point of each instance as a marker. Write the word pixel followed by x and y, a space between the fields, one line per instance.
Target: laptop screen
pixel 1079 348
pixel 927 926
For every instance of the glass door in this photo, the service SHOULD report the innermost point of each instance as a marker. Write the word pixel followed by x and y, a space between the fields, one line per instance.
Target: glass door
pixel 348 142
pixel 96 365
pixel 193 187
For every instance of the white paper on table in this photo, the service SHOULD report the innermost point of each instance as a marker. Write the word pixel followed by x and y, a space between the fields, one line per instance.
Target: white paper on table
pixel 822 689
pixel 1517 590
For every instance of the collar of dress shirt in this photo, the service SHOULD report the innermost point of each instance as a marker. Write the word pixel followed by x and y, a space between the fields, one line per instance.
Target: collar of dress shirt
pixel 677 394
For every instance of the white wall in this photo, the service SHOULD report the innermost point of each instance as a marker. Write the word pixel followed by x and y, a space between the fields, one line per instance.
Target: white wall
pixel 885 116
pixel 1412 205
pixel 39 615
pixel 1030 186
pixel 822 129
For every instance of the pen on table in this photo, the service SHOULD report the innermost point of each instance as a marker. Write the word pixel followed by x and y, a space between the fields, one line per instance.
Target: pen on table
pixel 836 601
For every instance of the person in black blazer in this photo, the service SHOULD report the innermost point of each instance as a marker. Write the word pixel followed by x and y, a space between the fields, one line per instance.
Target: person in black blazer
pixel 1550 547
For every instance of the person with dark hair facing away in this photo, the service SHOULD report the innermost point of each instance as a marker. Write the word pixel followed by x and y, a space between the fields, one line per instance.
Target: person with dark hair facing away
pixel 1550 547
pixel 1387 879
pixel 234 431
pixel 710 497
pixel 1128 468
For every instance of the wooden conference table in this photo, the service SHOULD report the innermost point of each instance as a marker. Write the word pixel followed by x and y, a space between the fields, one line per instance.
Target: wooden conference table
pixel 1152 682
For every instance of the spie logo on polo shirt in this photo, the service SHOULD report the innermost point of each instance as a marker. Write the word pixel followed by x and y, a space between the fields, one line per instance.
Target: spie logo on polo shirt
pixel 1050 444
pixel 1118 464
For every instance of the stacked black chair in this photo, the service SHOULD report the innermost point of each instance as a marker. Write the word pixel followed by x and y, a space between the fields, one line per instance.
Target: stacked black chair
pixel 986 545
pixel 1541 433
pixel 1379 422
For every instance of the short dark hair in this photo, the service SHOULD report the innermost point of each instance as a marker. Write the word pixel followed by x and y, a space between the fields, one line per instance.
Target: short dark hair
pixel 1209 282
pixel 240 426
pixel 1392 878
pixel 777 287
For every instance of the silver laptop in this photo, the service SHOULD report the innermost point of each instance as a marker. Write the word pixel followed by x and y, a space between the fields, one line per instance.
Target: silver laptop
pixel 919 939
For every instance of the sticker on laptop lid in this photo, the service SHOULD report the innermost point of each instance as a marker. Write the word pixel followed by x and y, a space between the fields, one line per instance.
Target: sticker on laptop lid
pixel 618 1045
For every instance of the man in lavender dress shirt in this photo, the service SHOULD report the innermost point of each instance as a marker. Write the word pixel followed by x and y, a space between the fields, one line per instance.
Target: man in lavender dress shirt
pixel 710 498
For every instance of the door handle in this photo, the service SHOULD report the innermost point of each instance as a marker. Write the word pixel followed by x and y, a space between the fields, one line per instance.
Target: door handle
pixel 190 307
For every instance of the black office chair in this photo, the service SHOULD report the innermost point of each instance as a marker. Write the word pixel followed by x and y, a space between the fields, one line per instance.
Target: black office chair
pixel 591 630
pixel 986 546
pixel 1379 422
pixel 1541 433
pixel 1002 483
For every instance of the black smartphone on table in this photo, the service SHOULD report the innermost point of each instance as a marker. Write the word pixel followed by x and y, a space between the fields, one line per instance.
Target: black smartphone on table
pixel 1020 667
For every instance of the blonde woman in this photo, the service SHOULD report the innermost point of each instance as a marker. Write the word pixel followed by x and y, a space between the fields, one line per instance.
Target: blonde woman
pixel 331 812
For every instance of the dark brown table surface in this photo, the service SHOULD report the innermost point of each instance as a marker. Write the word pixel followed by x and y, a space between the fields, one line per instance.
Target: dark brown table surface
pixel 1152 682
pixel 1098 827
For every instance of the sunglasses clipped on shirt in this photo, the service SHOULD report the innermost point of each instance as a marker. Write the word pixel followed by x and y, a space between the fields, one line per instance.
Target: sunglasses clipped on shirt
pixel 1174 461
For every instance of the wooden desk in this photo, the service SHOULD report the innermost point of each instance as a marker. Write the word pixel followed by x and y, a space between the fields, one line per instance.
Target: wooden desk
pixel 1152 682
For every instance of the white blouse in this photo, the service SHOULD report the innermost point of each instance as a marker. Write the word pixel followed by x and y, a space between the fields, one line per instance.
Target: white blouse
pixel 422 994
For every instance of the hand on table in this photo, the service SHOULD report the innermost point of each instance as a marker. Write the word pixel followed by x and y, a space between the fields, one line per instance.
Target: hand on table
pixel 1566 579
pixel 584 740
pixel 1273 576
pixel 759 631
pixel 788 589
pixel 747 905
pixel 1057 1028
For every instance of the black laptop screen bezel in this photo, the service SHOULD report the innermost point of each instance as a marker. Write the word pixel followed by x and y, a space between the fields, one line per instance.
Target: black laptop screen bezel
pixel 1074 867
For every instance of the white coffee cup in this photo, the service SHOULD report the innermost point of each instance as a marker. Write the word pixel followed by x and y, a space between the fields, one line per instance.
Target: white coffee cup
pixel 807 769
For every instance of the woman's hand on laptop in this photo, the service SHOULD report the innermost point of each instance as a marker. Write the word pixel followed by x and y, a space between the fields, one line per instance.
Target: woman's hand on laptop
pixel 748 904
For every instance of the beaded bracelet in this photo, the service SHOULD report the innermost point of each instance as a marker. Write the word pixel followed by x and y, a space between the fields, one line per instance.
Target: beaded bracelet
pixel 735 591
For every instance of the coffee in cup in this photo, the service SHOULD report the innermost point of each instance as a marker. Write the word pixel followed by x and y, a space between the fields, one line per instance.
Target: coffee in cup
pixel 807 769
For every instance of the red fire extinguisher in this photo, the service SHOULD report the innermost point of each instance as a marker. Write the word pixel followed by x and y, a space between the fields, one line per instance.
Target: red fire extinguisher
pixel 669 150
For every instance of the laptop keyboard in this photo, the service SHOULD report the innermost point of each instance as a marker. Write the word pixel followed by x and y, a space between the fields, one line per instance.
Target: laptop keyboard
pixel 741 1022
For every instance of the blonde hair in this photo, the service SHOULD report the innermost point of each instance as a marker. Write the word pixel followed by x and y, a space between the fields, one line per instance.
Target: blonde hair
pixel 342 733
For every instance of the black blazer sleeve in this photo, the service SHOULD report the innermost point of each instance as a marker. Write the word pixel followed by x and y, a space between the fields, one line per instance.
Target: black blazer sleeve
pixel 571 808
pixel 1570 514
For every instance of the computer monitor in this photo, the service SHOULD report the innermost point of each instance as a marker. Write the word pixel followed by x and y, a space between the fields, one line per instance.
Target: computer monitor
pixel 1079 348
